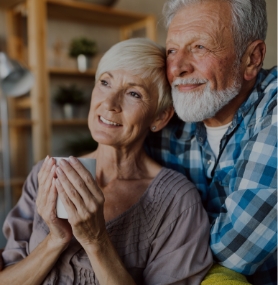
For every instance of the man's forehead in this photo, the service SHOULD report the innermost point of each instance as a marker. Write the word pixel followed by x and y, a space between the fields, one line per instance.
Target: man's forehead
pixel 201 11
pixel 191 35
pixel 205 17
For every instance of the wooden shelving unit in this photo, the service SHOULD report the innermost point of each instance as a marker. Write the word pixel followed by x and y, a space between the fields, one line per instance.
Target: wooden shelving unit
pixel 20 123
pixel 14 182
pixel 70 72
pixel 6 4
pixel 95 14
pixel 29 46
pixel 75 122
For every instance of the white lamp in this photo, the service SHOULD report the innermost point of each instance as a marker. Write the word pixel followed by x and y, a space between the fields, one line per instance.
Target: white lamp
pixel 15 80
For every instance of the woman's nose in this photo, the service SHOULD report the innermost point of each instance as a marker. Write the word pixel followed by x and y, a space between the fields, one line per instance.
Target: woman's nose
pixel 112 102
pixel 178 66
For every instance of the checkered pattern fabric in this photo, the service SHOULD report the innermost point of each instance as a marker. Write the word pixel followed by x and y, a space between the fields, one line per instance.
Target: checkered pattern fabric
pixel 239 187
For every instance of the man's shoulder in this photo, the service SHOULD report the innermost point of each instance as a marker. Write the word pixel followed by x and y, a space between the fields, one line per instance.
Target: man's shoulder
pixel 260 107
pixel 177 129
pixel 267 84
pixel 268 77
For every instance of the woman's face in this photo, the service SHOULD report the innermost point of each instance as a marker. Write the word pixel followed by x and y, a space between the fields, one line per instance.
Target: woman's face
pixel 122 109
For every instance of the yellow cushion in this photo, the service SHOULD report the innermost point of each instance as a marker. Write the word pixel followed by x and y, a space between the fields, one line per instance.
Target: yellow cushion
pixel 220 275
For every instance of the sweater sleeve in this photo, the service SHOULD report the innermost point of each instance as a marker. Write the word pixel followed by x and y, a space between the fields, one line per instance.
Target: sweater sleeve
pixel 18 226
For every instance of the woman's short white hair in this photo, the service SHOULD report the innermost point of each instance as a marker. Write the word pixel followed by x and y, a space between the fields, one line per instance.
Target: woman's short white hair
pixel 144 58
pixel 249 19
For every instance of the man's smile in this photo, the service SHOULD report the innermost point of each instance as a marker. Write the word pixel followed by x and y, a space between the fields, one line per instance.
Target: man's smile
pixel 187 87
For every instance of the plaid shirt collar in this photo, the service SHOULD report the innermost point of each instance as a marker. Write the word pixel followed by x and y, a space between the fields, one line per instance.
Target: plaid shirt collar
pixel 198 129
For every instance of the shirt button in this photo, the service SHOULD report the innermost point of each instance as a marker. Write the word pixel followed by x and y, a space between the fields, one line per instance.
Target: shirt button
pixel 209 162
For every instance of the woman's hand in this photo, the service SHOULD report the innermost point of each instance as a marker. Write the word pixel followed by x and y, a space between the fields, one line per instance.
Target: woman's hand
pixel 60 230
pixel 83 201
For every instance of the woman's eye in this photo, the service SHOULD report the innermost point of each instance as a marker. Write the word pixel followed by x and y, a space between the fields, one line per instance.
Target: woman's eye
pixel 200 47
pixel 135 95
pixel 103 82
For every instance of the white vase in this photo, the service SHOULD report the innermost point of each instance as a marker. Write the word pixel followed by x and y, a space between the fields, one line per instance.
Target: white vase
pixel 83 62
pixel 68 111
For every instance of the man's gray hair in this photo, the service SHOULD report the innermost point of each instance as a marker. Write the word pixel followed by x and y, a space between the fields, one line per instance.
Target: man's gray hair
pixel 249 19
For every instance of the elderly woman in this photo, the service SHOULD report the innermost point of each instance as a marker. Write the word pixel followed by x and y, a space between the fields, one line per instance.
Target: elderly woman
pixel 137 223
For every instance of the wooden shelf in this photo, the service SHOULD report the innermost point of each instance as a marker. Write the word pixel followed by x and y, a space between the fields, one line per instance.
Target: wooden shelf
pixel 74 10
pixel 55 71
pixel 70 122
pixel 14 182
pixel 20 123
pixel 9 3
pixel 23 102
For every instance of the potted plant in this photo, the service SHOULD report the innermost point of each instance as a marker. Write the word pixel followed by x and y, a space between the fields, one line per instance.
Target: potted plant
pixel 83 50
pixel 69 97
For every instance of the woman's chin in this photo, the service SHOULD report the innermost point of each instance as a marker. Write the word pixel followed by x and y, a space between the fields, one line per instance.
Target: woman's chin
pixel 104 139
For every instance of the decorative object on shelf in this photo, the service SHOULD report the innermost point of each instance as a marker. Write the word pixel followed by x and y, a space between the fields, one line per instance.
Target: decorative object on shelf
pixel 15 80
pixel 58 48
pixel 83 50
pixel 101 2
pixel 69 97
pixel 80 146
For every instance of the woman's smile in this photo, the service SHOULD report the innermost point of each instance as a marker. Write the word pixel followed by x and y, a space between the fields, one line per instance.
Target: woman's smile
pixel 108 122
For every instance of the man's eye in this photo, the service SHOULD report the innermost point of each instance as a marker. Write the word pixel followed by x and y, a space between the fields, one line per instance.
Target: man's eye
pixel 104 82
pixel 200 47
pixel 169 51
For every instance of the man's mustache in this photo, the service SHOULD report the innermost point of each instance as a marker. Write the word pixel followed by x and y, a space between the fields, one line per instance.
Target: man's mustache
pixel 184 81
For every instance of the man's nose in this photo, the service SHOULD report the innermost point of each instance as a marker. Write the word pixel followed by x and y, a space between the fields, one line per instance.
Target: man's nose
pixel 179 65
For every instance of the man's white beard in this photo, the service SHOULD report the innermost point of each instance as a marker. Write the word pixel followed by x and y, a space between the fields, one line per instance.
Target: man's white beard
pixel 197 106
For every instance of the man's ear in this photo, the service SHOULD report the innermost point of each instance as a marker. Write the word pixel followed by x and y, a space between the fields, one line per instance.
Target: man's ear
pixel 253 58
pixel 162 119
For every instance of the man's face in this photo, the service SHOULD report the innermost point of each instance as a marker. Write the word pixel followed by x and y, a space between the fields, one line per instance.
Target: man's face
pixel 202 65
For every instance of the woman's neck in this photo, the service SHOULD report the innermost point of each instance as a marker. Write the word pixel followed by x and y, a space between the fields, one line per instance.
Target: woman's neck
pixel 122 164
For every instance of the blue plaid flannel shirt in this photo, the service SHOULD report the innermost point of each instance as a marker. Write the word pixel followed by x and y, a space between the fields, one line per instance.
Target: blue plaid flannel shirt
pixel 239 188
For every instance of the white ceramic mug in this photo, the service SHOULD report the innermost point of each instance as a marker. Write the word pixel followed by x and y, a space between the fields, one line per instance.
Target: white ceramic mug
pixel 90 165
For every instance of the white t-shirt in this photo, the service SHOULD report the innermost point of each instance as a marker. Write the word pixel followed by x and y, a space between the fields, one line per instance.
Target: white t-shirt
pixel 214 136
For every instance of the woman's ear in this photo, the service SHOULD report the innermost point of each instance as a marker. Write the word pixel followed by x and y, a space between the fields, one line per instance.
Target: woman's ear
pixel 162 119
pixel 253 58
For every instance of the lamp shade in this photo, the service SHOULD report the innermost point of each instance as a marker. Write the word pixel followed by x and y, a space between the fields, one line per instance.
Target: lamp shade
pixel 15 79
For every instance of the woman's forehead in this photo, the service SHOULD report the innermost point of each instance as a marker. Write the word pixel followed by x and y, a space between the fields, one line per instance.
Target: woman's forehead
pixel 128 77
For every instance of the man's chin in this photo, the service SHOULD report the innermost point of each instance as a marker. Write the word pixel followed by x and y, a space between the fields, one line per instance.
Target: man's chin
pixel 197 107
pixel 194 118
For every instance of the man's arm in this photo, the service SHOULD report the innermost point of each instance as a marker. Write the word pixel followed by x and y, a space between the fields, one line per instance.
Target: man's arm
pixel 244 235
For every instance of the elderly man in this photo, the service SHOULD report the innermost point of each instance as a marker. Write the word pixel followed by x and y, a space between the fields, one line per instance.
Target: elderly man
pixel 227 146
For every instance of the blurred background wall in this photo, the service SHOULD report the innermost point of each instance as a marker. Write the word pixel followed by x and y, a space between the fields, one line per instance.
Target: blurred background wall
pixel 155 7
